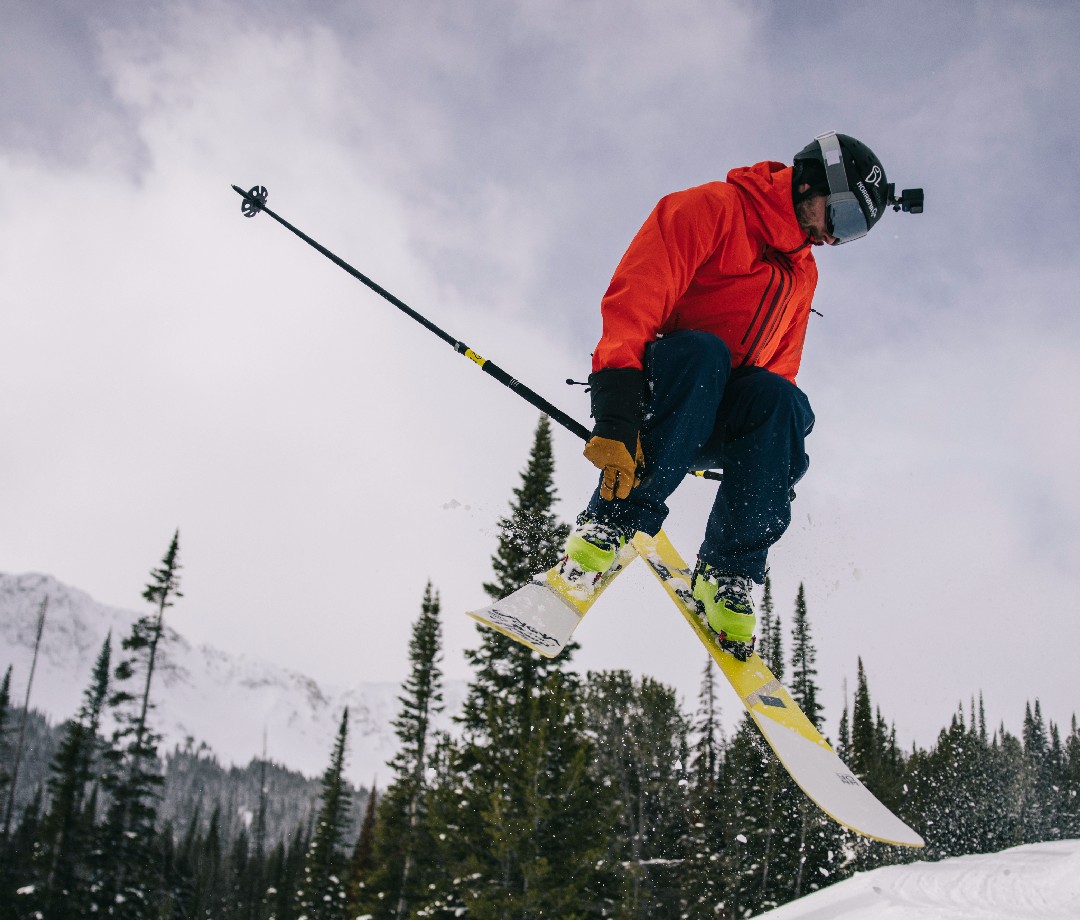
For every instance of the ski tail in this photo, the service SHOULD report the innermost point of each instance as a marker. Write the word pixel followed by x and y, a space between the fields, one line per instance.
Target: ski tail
pixel 545 612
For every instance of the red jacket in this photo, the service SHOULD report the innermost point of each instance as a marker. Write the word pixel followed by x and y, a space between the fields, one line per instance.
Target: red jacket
pixel 727 258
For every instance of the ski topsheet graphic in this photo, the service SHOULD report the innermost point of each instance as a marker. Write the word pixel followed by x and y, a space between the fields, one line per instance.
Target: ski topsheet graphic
pixel 544 614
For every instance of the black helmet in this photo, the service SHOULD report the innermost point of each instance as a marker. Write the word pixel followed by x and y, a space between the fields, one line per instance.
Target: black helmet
pixel 861 180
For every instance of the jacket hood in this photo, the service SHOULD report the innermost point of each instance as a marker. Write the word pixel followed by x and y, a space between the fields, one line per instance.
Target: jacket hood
pixel 766 192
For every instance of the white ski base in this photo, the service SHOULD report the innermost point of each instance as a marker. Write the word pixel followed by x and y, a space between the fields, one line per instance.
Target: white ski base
pixel 536 616
pixel 826 779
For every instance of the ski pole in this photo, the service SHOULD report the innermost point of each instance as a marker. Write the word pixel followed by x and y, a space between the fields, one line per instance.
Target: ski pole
pixel 255 202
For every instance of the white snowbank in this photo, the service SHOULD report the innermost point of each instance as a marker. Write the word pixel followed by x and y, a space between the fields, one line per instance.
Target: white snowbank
pixel 1041 880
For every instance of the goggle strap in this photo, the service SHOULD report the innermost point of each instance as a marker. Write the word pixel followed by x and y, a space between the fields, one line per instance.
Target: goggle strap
pixel 833 158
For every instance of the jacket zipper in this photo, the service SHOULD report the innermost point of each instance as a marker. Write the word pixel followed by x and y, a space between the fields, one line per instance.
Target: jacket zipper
pixel 779 300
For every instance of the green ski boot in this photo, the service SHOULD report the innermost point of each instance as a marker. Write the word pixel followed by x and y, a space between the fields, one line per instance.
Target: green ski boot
pixel 592 550
pixel 725 600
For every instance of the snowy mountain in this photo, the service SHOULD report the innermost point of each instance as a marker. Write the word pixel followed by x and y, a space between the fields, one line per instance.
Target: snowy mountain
pixel 226 701
pixel 1040 880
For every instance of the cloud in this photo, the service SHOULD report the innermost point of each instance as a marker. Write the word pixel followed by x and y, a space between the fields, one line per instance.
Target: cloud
pixel 176 365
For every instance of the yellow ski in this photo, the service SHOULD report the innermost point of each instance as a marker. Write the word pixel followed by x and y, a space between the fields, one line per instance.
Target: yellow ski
pixel 799 746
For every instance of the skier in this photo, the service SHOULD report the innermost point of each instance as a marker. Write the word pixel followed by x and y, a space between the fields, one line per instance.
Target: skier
pixel 703 330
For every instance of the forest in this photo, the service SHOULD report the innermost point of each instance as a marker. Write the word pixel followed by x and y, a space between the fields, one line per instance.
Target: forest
pixel 556 795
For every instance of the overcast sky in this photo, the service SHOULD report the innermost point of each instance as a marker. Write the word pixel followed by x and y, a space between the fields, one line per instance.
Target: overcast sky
pixel 168 364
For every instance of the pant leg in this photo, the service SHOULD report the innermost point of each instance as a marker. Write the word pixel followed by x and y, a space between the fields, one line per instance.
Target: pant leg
pixel 759 439
pixel 686 372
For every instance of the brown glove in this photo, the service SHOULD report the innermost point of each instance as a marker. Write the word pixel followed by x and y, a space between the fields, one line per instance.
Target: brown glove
pixel 619 468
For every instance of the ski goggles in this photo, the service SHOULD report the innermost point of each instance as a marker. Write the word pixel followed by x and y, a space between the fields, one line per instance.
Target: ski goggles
pixel 843 215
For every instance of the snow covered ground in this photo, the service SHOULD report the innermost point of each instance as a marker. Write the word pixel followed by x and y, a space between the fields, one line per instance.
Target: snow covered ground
pixel 1041 880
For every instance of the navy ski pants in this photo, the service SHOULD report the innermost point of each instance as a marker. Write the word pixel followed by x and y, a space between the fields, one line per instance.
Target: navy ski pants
pixel 702 414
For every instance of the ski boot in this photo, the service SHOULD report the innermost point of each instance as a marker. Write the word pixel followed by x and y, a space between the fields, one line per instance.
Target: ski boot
pixel 592 551
pixel 725 601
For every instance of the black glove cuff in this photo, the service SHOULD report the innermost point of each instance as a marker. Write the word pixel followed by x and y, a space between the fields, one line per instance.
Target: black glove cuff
pixel 618 403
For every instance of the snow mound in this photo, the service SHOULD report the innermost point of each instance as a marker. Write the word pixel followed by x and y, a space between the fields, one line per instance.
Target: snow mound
pixel 1040 880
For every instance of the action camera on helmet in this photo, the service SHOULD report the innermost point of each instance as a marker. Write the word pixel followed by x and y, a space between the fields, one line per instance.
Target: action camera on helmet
pixel 910 200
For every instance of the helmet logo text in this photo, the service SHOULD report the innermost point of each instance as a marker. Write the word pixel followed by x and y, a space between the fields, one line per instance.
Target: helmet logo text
pixel 869 201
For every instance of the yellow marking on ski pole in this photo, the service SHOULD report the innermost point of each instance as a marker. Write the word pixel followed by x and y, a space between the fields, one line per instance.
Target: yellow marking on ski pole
pixel 473 356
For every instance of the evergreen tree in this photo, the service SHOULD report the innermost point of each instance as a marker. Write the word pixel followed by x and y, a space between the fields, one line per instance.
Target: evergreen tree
pixel 421 702
pixel 19 896
pixel 255 878
pixel 527 823
pixel 243 879
pixel 455 827
pixel 948 793
pixel 363 863
pixel 865 749
pixel 207 869
pixel 125 874
pixel 804 689
pixel 808 842
pixel 702 870
pixel 708 731
pixel 991 822
pixel 1070 783
pixel 776 844
pixel 778 834
pixel 1042 796
pixel 642 751
pixel 67 830
pixel 843 739
pixel 1035 740
pixel 770 629
pixel 175 886
pixel 9 811
pixel 745 770
pixel 531 540
pixel 321 895
pixel 1012 769
pixel 1053 776
pixel 401 847
pixel 877 761
pixel 8 883
pixel 276 903
pixel 147 633
pixel 539 836
pixel 5 747
pixel 531 536
pixel 285 875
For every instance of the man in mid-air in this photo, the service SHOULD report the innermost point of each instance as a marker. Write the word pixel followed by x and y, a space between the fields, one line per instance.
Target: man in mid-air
pixel 703 331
